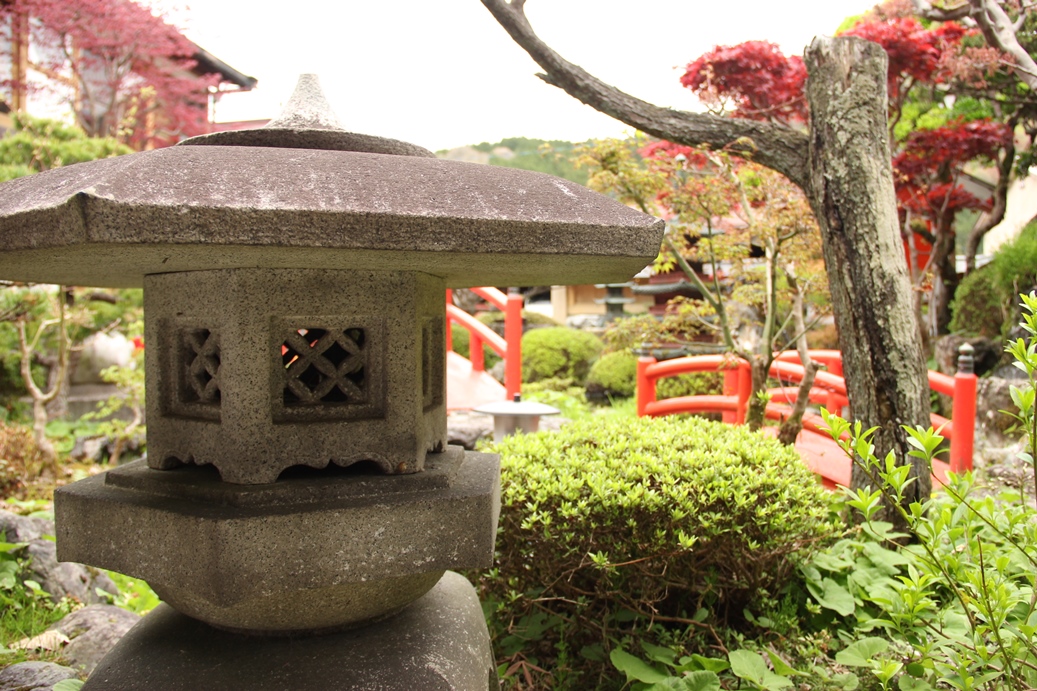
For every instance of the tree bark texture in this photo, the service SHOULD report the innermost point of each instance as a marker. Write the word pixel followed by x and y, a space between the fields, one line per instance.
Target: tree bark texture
pixel 851 193
pixel 844 168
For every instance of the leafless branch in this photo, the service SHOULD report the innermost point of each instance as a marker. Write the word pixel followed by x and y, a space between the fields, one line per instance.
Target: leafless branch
pixel 776 147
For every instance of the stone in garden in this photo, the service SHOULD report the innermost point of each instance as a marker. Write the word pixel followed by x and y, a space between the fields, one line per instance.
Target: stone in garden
pixel 34 676
pixel 93 631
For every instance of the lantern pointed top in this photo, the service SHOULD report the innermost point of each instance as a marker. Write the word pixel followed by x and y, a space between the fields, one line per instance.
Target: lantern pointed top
pixel 307 108
pixel 307 122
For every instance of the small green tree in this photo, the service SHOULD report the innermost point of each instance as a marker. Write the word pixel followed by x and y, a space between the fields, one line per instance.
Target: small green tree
pixel 751 232
pixel 46 322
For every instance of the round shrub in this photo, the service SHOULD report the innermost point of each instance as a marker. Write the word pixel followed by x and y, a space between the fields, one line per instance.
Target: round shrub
pixel 615 374
pixel 558 352
pixel 650 517
pixel 977 307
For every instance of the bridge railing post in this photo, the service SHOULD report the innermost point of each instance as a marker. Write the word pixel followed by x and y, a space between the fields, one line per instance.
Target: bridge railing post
pixel 645 386
pixel 513 337
pixel 745 390
pixel 963 412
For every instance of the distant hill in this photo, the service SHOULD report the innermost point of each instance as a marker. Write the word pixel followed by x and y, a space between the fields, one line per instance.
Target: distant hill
pixel 554 157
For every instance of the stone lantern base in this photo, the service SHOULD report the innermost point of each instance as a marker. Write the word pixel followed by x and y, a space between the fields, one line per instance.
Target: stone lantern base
pixel 439 643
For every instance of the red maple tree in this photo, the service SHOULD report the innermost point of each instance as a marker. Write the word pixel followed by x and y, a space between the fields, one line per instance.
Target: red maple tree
pixel 754 80
pixel 125 71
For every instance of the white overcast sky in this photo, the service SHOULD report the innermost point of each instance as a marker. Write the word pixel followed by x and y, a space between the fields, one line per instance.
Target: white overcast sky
pixel 443 73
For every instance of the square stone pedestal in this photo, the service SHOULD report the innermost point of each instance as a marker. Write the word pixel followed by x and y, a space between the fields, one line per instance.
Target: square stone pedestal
pixel 439 643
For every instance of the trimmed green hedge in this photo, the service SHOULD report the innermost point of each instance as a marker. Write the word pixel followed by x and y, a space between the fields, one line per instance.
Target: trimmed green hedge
pixel 613 520
pixel 558 353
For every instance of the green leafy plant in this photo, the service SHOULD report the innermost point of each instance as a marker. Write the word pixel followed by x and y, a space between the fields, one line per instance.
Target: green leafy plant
pixel 963 605
pixel 558 352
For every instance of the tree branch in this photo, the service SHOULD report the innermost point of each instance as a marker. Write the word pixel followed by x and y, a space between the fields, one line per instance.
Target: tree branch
pixel 997 213
pixel 774 146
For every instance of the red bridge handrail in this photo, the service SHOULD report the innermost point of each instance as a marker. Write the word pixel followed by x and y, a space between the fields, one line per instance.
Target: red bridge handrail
pixel 509 347
pixel 829 390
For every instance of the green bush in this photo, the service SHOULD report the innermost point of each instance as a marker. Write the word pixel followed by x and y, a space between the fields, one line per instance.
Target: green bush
pixel 612 522
pixel 615 374
pixel 1015 263
pixel 493 318
pixel 693 384
pixel 558 352
pixel 978 306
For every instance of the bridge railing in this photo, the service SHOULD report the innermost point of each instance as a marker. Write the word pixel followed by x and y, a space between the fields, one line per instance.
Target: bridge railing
pixel 509 347
pixel 828 390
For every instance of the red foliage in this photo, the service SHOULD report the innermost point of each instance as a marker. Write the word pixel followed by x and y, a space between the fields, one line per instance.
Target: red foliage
pixel 660 150
pixel 117 63
pixel 930 161
pixel 913 50
pixel 761 82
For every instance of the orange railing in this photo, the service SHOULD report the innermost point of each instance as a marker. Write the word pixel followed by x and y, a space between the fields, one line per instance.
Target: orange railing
pixel 829 390
pixel 509 347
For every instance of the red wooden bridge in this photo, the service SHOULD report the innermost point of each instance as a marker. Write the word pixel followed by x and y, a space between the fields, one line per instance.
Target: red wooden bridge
pixel 469 385
pixel 819 451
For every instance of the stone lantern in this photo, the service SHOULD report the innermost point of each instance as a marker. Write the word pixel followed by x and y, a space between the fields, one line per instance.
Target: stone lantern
pixel 299 511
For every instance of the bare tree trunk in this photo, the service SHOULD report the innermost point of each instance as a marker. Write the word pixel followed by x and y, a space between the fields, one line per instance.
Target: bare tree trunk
pixel 945 283
pixel 851 192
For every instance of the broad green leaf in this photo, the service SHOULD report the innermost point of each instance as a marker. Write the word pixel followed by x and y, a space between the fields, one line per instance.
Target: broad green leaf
pixel 657 653
pixel 835 597
pixel 68 685
pixel 636 668
pixel 710 664
pixel 751 667
pixel 847 681
pixel 909 683
pixel 701 681
pixel 780 666
pixel 858 654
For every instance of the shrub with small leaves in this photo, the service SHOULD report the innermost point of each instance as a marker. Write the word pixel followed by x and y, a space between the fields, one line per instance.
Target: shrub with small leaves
pixel 615 374
pixel 558 352
pixel 612 522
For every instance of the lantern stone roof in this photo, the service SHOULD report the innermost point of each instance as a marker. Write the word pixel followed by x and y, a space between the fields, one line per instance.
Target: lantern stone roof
pixel 303 193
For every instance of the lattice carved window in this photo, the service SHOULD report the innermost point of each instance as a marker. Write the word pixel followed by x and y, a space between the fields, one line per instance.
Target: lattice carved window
pixel 329 372
pixel 197 361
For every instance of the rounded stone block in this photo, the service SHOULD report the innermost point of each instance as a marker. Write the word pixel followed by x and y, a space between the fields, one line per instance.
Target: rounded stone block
pixel 439 643
pixel 314 552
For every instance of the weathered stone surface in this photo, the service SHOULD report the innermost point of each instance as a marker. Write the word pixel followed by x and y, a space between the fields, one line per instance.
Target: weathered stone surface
pixel 986 355
pixel 232 381
pixel 189 208
pixel 311 552
pixel 34 676
pixel 439 643
pixel 93 631
pixel 993 395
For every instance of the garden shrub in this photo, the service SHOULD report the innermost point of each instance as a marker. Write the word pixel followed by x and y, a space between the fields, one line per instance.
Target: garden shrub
pixel 612 522
pixel 1015 263
pixel 558 352
pixel 614 374
pixel 978 305
pixel 495 320
pixel 692 384
pixel 20 458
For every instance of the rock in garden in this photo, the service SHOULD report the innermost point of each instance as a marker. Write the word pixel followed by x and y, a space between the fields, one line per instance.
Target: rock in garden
pixel 993 395
pixel 34 676
pixel 57 578
pixel 15 528
pixel 93 631
pixel 466 429
pixel 987 353
pixel 62 579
